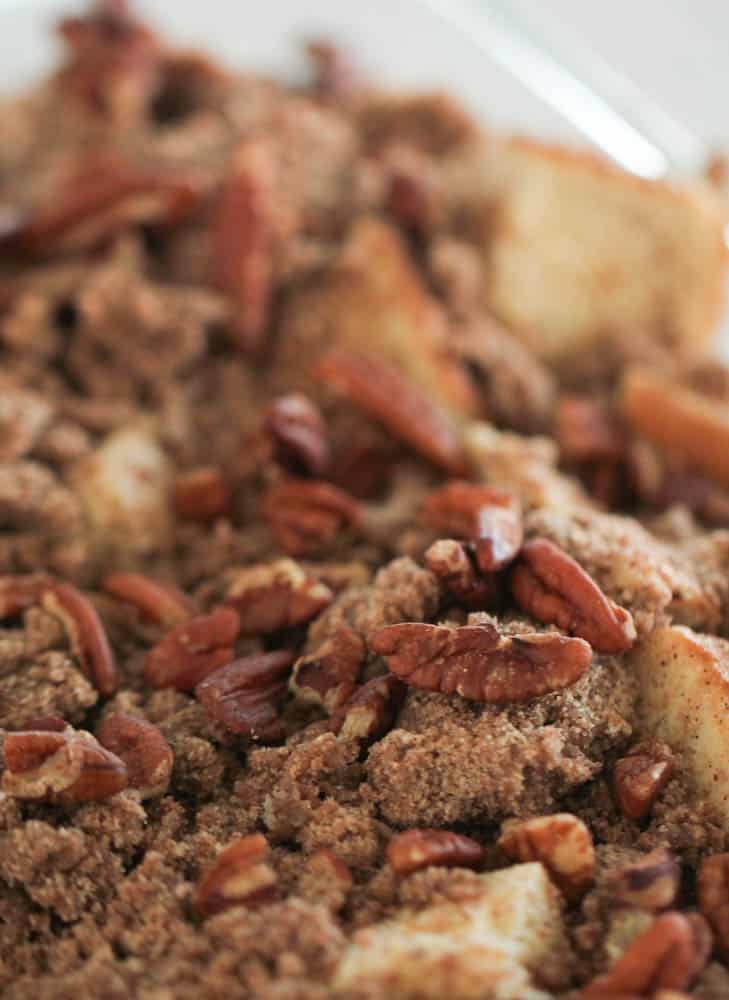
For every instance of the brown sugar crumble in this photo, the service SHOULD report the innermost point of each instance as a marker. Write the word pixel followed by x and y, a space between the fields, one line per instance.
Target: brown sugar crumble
pixel 364 582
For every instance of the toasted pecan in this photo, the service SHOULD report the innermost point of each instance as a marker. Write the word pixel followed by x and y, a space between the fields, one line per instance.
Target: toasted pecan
pixel 488 517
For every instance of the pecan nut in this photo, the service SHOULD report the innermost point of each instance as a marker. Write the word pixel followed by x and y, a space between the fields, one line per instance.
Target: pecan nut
pixel 60 766
pixel 275 595
pixel 244 696
pixel 156 602
pixel 18 593
pixel 640 776
pixel 325 879
pixel 651 883
pixel 329 675
pixel 586 431
pixel 193 650
pixel 561 842
pixel 371 710
pixel 86 633
pixel 145 752
pixel 295 427
pixel 476 662
pixel 386 395
pixel 454 564
pixel 713 892
pixel 553 588
pixel 306 516
pixel 240 876
pixel 201 494
pixel 412 850
pixel 490 518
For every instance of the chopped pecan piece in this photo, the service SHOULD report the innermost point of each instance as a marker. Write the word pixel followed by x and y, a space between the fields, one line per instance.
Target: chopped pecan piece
pixel 275 595
pixel 143 749
pixel 490 518
pixel 306 516
pixel 371 710
pixel 157 602
pixel 329 675
pixel 640 777
pixel 201 494
pixel 296 430
pixel 86 633
pixel 415 849
pixel 240 876
pixel 60 766
pixel 713 891
pixel 651 883
pixel 244 695
pixel 193 650
pixel 388 396
pixel 455 566
pixel 18 593
pixel 553 588
pixel 476 662
pixel 587 431
pixel 561 842
pixel 325 879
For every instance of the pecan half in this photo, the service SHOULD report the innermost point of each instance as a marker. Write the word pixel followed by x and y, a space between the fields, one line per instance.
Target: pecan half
pixel 561 842
pixel 61 767
pixel 156 602
pixel 86 633
pixel 713 891
pixel 651 883
pixel 244 696
pixel 490 518
pixel 587 431
pixel 384 393
pixel 640 777
pixel 666 956
pixel 476 662
pixel 412 850
pixel 454 564
pixel 306 516
pixel 240 876
pixel 329 675
pixel 553 588
pixel 193 650
pixel 143 749
pixel 275 595
pixel 371 710
pixel 201 494
pixel 295 427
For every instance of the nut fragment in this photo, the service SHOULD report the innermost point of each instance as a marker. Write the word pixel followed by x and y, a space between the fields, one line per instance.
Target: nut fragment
pixel 17 593
pixel 388 396
pixel 476 662
pixel 371 710
pixel 553 588
pixel 157 602
pixel 86 633
pixel 640 777
pixel 143 749
pixel 415 849
pixel 329 675
pixel 240 876
pixel 325 879
pixel 561 842
pixel 586 431
pixel 193 650
pixel 306 516
pixel 713 892
pixel 60 766
pixel 275 595
pixel 296 429
pixel 490 518
pixel 651 883
pixel 201 494
pixel 244 695
pixel 455 566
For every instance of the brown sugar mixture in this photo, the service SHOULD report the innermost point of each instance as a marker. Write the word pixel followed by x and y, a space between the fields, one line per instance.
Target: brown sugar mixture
pixel 364 548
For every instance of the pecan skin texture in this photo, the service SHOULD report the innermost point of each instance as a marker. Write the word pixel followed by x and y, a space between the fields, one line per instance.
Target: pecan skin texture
pixel 156 602
pixel 371 710
pixel 305 517
pixel 476 662
pixel 454 564
pixel 561 842
pixel 651 883
pixel 202 494
pixel 640 776
pixel 275 595
pixel 240 876
pixel 63 767
pixel 329 675
pixel 413 850
pixel 86 633
pixel 386 395
pixel 297 433
pixel 193 650
pixel 489 518
pixel 553 588
pixel 713 893
pixel 146 753
pixel 244 695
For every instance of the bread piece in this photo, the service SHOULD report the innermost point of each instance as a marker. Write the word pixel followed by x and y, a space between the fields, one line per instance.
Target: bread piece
pixel 580 251
pixel 486 947
pixel 684 700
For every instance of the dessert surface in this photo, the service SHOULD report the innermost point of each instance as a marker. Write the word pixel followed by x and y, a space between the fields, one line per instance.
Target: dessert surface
pixel 364 547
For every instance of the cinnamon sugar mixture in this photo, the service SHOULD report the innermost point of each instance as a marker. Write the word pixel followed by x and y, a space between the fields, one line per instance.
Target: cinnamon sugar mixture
pixel 350 645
